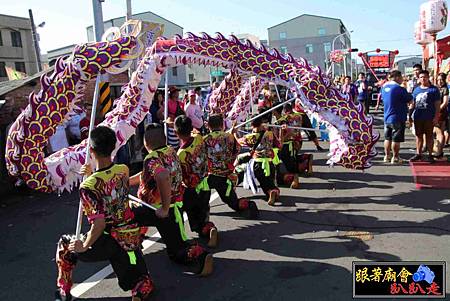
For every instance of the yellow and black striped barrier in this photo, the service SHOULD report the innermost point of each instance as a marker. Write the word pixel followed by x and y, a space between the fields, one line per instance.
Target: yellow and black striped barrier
pixel 104 101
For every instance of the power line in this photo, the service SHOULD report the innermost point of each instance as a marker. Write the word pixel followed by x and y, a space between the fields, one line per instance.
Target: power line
pixel 381 41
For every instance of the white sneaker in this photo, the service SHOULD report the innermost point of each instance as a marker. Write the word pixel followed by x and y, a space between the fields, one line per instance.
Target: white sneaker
pixel 387 159
pixel 396 160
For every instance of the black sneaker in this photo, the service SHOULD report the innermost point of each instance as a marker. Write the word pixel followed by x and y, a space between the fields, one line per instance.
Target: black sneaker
pixel 60 297
pixel 319 148
pixel 252 211
pixel 416 158
pixel 430 159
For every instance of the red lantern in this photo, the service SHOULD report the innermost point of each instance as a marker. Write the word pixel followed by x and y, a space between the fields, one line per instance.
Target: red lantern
pixel 378 50
pixel 360 54
pixel 396 52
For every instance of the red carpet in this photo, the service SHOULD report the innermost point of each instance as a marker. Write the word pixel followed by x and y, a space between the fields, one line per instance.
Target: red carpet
pixel 436 175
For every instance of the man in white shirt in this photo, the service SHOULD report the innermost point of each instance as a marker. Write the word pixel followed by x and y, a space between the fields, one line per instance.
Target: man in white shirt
pixel 194 111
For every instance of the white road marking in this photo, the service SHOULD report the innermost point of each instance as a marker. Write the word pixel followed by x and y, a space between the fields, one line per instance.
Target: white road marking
pixel 81 288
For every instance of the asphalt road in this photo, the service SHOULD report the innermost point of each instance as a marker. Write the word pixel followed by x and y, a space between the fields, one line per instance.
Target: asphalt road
pixel 297 250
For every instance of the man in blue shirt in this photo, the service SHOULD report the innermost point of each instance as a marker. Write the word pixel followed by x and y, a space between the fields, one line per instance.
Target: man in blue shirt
pixel 362 86
pixel 395 100
pixel 426 106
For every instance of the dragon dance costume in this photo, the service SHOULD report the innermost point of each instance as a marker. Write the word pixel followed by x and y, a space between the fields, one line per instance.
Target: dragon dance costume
pixel 197 193
pixel 104 194
pixel 171 228
pixel 294 162
pixel 261 167
pixel 222 149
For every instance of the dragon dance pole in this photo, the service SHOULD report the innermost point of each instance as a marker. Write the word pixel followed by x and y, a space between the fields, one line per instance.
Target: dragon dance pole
pixel 297 128
pixel 251 97
pixel 166 102
pixel 88 146
pixel 98 29
pixel 265 112
pixel 278 93
pixel 139 201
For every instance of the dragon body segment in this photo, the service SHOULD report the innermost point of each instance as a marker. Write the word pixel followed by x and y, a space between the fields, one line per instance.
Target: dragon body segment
pixel 58 96
pixel 351 135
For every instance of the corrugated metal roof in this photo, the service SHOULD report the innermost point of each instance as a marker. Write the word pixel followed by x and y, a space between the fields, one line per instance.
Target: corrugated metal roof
pixel 11 85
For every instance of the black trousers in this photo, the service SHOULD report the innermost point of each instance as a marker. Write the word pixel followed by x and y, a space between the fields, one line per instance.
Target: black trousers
pixel 106 248
pixel 289 160
pixel 306 122
pixel 267 183
pixel 220 184
pixel 169 230
pixel 197 208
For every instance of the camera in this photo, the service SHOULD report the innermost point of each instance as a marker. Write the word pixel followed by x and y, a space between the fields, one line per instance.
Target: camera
pixel 423 273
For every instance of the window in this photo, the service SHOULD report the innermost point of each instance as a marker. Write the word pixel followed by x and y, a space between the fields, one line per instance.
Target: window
pixel 1 39
pixel 20 66
pixel 282 36
pixel 327 47
pixel 191 77
pixel 174 71
pixel 115 91
pixel 283 49
pixel 2 70
pixel 16 39
pixel 322 31
pixel 309 48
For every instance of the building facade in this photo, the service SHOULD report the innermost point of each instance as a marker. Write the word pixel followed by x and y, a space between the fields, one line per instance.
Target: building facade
pixel 311 37
pixel 405 66
pixel 16 46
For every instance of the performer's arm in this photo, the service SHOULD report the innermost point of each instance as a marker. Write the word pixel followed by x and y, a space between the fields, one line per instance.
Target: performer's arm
pixel 135 180
pixel 97 228
pixel 444 103
pixel 437 106
pixel 165 191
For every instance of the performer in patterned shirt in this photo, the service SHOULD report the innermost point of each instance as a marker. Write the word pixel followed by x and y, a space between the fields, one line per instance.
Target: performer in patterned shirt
pixel 160 184
pixel 264 145
pixel 193 159
pixel 292 140
pixel 113 236
pixel 222 149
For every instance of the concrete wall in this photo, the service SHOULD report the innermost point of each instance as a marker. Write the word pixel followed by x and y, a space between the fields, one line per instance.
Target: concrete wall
pixel 305 26
pixel 297 47
pixel 10 54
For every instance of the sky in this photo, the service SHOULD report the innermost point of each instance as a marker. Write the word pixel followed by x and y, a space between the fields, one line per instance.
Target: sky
pixel 384 24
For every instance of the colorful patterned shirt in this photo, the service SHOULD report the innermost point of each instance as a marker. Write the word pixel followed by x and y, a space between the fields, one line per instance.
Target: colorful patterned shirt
pixel 104 194
pixel 265 148
pixel 291 119
pixel 193 161
pixel 159 160
pixel 221 149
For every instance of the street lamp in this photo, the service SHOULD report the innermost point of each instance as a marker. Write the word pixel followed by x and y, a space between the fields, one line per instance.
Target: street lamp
pixel 332 45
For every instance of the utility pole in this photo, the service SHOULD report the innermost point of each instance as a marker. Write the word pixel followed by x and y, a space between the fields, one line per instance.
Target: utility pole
pixel 99 28
pixel 129 14
pixel 127 18
pixel 37 51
